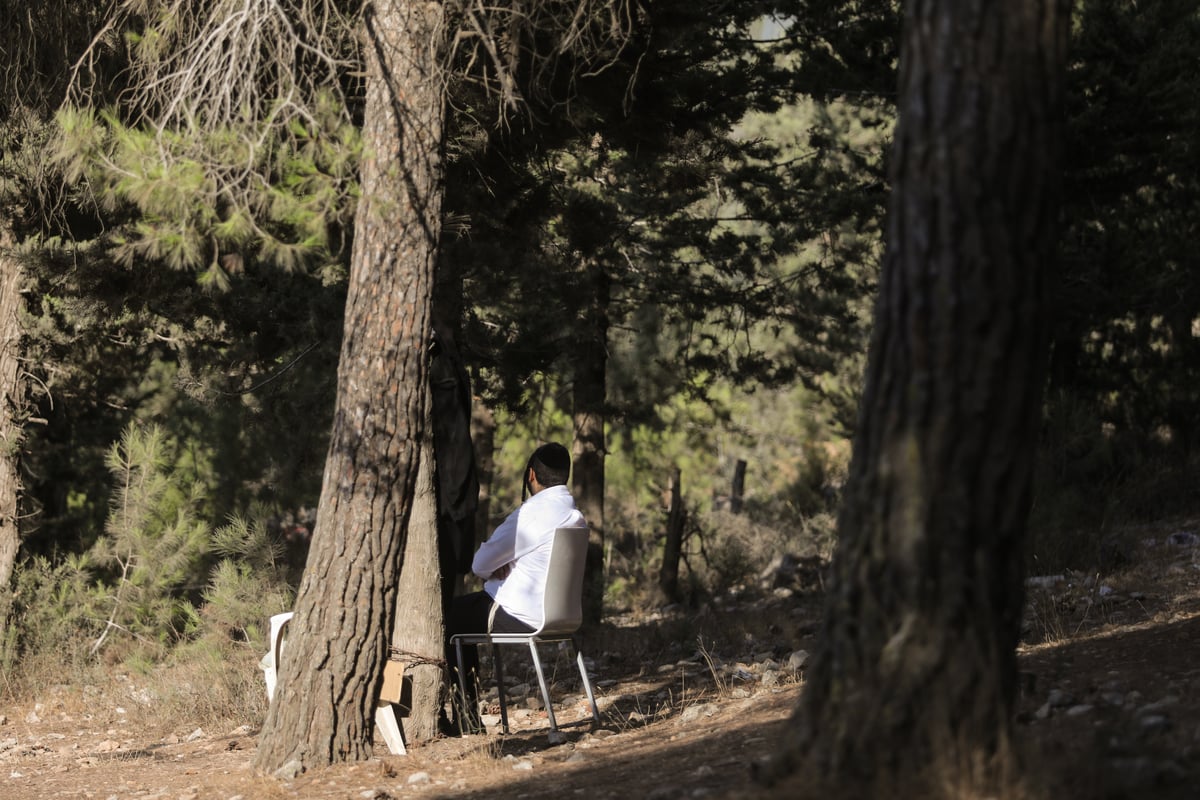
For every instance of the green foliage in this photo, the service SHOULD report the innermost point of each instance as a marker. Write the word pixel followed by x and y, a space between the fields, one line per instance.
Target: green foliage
pixel 54 614
pixel 247 586
pixel 154 546
pixel 649 207
pixel 128 594
pixel 136 596
pixel 213 199
pixel 223 372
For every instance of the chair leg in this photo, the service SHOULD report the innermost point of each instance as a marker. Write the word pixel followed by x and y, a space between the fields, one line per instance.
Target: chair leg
pixel 462 684
pixel 498 668
pixel 587 684
pixel 537 665
pixel 385 718
pixel 279 623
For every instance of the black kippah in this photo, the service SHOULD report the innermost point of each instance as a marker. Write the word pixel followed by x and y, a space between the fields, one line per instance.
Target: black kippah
pixel 554 456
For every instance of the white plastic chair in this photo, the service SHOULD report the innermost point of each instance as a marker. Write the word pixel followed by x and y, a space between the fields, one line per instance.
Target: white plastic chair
pixel 563 614
pixel 385 716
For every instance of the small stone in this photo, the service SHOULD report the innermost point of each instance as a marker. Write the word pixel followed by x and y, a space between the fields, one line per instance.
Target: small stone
pixel 1079 710
pixel 664 793
pixel 1160 705
pixel 797 660
pixel 693 713
pixel 1154 723
pixel 196 734
pixel 290 770
pixel 523 765
pixel 419 779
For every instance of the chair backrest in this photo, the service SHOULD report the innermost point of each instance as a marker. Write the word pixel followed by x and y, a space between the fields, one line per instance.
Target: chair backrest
pixel 562 605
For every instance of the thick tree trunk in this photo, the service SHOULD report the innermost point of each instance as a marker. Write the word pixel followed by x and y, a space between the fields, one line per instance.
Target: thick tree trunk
pixel 588 397
pixel 12 409
pixel 917 666
pixel 332 669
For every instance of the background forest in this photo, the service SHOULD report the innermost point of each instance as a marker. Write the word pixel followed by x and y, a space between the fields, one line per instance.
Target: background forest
pixel 683 245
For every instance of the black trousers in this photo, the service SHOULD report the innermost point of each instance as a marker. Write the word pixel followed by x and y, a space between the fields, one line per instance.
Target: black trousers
pixel 469 613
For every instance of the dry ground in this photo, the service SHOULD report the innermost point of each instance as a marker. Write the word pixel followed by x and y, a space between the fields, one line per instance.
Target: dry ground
pixel 1110 709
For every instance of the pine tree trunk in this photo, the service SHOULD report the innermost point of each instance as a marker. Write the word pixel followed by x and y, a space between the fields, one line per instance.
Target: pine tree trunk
pixel 12 397
pixel 588 397
pixel 419 627
pixel 917 665
pixel 668 576
pixel 738 487
pixel 483 435
pixel 332 669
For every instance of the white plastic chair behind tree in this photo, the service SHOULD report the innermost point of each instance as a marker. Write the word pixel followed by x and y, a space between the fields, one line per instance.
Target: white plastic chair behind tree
pixel 385 715
pixel 562 615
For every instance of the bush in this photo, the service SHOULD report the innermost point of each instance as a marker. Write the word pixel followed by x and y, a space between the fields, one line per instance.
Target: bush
pixel 132 599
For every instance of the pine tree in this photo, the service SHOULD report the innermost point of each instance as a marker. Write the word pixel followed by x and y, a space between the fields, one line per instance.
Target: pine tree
pixel 913 687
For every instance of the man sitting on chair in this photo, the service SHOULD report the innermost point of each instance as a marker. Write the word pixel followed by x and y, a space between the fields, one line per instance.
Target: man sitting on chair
pixel 513 564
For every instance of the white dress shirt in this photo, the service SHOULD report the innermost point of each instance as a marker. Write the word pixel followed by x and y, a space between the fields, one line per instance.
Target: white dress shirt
pixel 523 541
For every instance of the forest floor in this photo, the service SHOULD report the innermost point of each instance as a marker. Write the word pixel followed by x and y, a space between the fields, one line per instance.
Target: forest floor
pixel 691 700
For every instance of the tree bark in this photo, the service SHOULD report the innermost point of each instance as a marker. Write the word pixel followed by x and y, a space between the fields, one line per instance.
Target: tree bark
pixel 13 398
pixel 917 667
pixel 738 488
pixel 483 435
pixel 332 670
pixel 668 576
pixel 419 628
pixel 588 398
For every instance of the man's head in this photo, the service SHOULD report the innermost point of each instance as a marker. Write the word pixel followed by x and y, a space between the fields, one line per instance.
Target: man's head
pixel 551 465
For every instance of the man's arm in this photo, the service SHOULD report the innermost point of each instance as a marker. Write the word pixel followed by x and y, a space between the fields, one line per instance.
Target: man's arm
pixel 498 552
